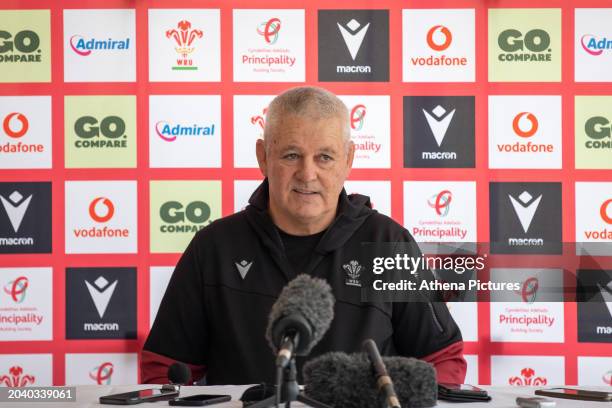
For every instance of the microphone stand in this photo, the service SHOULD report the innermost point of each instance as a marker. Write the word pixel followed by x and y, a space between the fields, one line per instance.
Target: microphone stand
pixel 290 391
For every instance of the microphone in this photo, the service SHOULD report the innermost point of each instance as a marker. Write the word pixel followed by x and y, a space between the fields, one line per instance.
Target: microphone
pixel 299 318
pixel 179 374
pixel 340 379
pixel 383 381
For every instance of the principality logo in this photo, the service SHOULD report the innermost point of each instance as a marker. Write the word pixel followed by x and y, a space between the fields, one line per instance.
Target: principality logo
pixel 529 290
pixel 441 202
pixel 16 289
pixel 8 125
pixel 519 127
pixel 527 379
pixel 357 115
pixel 433 38
pixel 102 374
pixel 269 30
pixel 84 47
pixel 184 37
pixel 353 270
pixel 101 216
pixel 16 379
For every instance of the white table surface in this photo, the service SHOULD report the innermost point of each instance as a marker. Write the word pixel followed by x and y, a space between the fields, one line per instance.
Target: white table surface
pixel 503 397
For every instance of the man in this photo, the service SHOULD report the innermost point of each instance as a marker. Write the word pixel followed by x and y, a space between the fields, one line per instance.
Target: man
pixel 214 313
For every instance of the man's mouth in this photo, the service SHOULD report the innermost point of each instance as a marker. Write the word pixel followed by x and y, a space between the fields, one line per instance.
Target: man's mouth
pixel 304 191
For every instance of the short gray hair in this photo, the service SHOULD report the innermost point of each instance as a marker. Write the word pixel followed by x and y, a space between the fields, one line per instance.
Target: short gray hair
pixel 308 102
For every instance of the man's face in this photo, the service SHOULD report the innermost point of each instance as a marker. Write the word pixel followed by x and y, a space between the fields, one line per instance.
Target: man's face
pixel 306 161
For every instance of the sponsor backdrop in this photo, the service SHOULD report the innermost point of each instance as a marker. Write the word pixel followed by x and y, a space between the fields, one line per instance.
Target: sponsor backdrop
pixel 125 127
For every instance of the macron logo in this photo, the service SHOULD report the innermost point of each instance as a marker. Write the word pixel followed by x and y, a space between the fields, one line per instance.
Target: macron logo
pixel 439 120
pixel 101 293
pixel 243 267
pixel 16 208
pixel 525 208
pixel 353 35
pixel 606 294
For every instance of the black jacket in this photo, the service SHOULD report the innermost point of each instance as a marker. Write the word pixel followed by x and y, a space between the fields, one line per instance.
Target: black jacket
pixel 211 316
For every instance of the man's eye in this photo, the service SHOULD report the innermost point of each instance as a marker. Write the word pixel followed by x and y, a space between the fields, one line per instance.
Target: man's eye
pixel 326 157
pixel 291 156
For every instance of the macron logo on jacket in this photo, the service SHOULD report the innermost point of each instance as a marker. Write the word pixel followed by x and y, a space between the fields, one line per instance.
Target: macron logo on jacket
pixel 243 267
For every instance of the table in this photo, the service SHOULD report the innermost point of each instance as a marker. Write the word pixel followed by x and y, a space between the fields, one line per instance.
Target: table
pixel 87 396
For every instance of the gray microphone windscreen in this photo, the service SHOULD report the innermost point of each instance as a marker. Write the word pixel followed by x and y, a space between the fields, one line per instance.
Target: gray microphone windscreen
pixel 347 380
pixel 307 298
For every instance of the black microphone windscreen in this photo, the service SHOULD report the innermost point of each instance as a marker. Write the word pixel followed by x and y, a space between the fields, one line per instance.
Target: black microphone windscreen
pixel 347 380
pixel 307 297
pixel 179 373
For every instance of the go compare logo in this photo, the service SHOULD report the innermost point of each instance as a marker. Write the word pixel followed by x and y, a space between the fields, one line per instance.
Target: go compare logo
pixel 179 209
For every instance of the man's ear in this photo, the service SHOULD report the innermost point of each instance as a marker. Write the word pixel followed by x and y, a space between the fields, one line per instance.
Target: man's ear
pixel 262 160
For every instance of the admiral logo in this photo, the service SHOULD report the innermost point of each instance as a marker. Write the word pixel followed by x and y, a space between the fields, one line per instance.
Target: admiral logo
pixel 439 131
pixel 595 46
pixel 170 131
pixel 23 47
pixel 85 46
pixel 527 378
pixel 532 46
pixel 108 133
pixel 605 233
pixel 184 37
pixel 102 374
pixel 101 303
pixel 178 218
pixel 597 128
pixel 355 32
pixel 16 378
pixel 525 217
pixel 439 38
pixel 16 289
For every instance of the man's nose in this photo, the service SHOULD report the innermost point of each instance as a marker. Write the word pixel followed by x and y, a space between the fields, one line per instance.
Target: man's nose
pixel 308 170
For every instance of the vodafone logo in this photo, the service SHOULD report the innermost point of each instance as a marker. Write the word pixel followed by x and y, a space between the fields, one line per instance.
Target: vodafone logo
pixel 269 30
pixel 603 211
pixel 523 129
pixel 439 38
pixel 15 125
pixel 102 374
pixel 441 202
pixel 357 115
pixel 99 215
